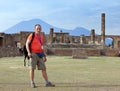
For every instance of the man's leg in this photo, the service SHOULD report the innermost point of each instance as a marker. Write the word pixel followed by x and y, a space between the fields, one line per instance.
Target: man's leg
pixel 32 77
pixel 48 83
pixel 32 67
pixel 41 66
pixel 44 73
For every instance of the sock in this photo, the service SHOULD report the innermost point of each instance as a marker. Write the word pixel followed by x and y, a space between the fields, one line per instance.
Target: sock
pixel 47 81
pixel 32 81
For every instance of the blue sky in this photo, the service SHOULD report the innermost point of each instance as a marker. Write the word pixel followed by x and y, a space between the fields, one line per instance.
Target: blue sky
pixel 67 14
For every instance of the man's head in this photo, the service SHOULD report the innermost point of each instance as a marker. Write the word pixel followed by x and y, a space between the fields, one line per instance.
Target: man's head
pixel 38 28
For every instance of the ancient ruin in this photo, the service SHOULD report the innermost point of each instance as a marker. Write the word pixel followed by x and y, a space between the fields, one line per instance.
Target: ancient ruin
pixel 61 43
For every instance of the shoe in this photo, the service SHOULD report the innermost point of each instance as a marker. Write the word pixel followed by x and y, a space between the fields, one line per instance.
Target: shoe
pixel 50 85
pixel 33 85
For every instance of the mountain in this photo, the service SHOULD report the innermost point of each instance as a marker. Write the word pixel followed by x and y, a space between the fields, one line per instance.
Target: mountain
pixel 79 31
pixel 29 26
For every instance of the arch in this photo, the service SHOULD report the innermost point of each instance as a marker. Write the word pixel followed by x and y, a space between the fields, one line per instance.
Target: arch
pixel 109 42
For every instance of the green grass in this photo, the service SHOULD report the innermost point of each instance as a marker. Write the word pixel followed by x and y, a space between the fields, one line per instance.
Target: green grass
pixel 92 74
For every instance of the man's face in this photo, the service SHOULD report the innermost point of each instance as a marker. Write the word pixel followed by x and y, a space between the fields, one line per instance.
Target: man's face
pixel 38 29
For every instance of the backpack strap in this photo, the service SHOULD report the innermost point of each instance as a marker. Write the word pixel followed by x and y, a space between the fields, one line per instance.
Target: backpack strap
pixel 33 34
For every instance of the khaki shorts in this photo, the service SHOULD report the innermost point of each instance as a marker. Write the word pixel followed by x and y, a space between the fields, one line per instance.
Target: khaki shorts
pixel 36 61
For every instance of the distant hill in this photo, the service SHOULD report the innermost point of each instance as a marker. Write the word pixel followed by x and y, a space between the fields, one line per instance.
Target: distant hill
pixel 79 31
pixel 29 26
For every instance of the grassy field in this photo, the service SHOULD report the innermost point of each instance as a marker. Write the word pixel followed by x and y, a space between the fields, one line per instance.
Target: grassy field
pixel 92 74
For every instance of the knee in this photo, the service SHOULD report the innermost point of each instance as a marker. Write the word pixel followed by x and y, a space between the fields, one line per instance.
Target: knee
pixel 44 70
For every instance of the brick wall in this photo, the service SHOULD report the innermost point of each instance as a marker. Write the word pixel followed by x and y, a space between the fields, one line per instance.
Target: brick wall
pixel 89 52
pixel 111 52
pixel 60 51
pixel 14 51
pixel 9 52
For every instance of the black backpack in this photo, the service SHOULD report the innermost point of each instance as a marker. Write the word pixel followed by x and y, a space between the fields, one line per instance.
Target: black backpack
pixel 25 50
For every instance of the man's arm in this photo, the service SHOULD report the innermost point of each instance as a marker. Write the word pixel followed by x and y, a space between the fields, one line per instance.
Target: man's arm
pixel 45 49
pixel 28 48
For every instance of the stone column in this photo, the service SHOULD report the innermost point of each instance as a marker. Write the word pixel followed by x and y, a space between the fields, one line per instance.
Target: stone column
pixel 61 36
pixel 71 39
pixel 51 35
pixel 82 39
pixel 61 39
pixel 92 36
pixel 103 29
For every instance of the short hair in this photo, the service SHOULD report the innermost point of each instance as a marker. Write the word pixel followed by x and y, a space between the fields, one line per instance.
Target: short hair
pixel 37 25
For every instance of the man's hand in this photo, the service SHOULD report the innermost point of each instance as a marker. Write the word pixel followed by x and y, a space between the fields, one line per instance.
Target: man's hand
pixel 29 54
pixel 44 59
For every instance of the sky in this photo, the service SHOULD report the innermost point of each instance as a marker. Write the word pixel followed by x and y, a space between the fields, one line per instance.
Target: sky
pixel 67 14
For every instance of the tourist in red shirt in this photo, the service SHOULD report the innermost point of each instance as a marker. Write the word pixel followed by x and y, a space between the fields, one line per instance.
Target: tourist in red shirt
pixel 37 55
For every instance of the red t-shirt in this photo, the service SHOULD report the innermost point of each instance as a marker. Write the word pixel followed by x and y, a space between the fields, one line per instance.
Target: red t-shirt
pixel 37 43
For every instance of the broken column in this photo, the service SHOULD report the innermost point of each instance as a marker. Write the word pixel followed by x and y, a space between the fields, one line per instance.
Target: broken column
pixel 61 36
pixel 92 36
pixel 82 39
pixel 51 35
pixel 61 39
pixel 71 39
pixel 103 29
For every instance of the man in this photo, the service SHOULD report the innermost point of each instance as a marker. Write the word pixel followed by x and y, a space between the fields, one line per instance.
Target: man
pixel 37 56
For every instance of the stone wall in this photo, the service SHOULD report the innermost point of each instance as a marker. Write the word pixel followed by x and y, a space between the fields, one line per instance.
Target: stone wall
pixel 9 52
pixel 14 51
pixel 111 52
pixel 79 54
pixel 59 51
pixel 89 52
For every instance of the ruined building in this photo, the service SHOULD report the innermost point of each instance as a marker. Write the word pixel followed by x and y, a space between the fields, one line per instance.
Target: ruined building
pixel 61 43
